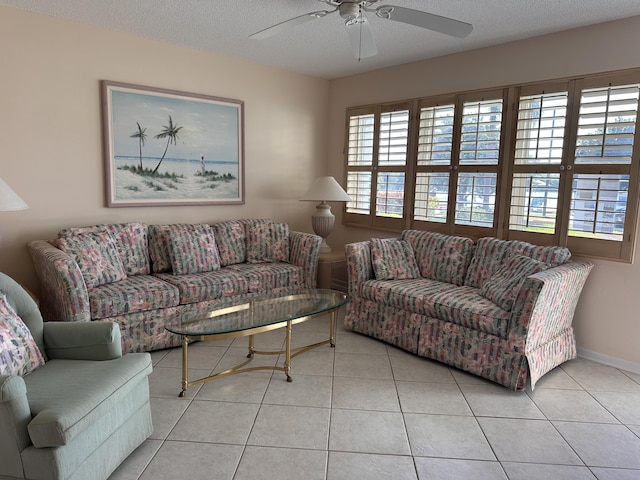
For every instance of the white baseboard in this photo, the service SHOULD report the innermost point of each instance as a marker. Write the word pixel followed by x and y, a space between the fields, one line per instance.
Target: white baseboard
pixel 609 360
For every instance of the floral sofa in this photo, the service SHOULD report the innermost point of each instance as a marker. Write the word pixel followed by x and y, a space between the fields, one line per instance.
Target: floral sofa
pixel 143 276
pixel 498 309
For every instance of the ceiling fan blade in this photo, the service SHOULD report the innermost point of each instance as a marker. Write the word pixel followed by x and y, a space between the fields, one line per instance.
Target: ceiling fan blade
pixel 361 38
pixel 292 22
pixel 430 21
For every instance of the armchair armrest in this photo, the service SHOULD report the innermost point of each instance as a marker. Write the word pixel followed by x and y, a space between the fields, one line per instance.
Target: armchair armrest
pixel 304 251
pixel 15 415
pixel 546 303
pixel 64 292
pixel 82 341
pixel 359 266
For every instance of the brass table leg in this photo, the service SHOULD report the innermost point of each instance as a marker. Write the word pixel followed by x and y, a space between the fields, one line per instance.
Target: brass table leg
pixel 251 347
pixel 185 366
pixel 287 361
pixel 332 328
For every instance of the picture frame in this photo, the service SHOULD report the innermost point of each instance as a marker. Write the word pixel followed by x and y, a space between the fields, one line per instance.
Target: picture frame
pixel 166 147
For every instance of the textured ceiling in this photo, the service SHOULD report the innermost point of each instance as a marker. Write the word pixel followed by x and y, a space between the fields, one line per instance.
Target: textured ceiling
pixel 320 48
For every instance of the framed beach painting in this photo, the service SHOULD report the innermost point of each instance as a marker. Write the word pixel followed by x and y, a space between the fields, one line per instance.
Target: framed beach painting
pixel 164 147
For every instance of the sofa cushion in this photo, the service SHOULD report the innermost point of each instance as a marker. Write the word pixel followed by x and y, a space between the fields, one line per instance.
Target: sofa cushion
pixel 441 257
pixel 504 285
pixel 487 259
pixel 411 295
pixel 466 307
pixel 131 242
pixel 268 277
pixel 393 259
pixel 19 354
pixel 231 240
pixel 267 242
pixel 193 251
pixel 198 287
pixel 96 255
pixel 552 255
pixel 139 293
pixel 68 396
pixel 159 246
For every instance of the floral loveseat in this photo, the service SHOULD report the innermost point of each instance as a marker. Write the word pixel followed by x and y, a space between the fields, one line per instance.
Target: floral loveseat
pixel 142 276
pixel 499 309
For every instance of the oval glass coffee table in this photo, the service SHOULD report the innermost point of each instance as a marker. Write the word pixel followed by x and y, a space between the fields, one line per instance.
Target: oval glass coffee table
pixel 246 318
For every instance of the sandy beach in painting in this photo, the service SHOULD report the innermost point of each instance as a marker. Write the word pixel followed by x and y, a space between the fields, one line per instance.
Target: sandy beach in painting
pixel 131 186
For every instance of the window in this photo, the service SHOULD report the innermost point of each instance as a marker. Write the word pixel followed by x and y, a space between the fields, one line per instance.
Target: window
pixel 553 163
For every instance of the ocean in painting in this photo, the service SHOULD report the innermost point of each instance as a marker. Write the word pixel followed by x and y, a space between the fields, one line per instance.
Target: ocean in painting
pixel 187 184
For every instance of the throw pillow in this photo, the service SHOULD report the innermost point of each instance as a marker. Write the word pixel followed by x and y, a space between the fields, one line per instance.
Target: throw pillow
pixel 503 286
pixel 97 256
pixel 393 259
pixel 267 242
pixel 19 354
pixel 193 251
pixel 231 241
pixel 131 242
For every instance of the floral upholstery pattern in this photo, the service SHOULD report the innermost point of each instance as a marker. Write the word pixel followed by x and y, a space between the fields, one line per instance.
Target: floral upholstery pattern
pixel 487 259
pixel 143 304
pixel 393 259
pixel 504 285
pixel 232 242
pixel 441 257
pixel 131 242
pixel 193 251
pixel 267 242
pixel 19 354
pixel 458 326
pixel 96 255
pixel 140 293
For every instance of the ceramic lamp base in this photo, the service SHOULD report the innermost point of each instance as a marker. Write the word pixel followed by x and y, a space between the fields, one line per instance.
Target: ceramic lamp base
pixel 322 222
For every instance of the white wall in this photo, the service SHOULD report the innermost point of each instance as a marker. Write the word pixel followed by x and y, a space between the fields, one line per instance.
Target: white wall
pixel 607 321
pixel 51 137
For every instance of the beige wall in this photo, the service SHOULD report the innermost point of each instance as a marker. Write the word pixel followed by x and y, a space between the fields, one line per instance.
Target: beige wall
pixel 607 320
pixel 50 130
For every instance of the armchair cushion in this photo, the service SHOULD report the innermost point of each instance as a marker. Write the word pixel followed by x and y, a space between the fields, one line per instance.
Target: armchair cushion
pixel 19 354
pixel 267 242
pixel 67 396
pixel 82 341
pixel 97 256
pixel 393 259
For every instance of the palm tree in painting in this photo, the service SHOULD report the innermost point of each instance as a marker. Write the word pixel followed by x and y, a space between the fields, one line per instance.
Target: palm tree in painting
pixel 141 136
pixel 170 132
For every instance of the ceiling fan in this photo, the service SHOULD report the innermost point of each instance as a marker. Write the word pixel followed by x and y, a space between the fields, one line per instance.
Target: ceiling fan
pixel 360 36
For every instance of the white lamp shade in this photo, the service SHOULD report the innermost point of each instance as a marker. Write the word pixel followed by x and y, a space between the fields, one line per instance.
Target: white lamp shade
pixel 326 189
pixel 9 200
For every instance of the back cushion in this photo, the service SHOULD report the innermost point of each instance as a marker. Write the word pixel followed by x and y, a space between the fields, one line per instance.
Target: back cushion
pixel 267 242
pixel 552 255
pixel 441 257
pixel 489 255
pixel 19 354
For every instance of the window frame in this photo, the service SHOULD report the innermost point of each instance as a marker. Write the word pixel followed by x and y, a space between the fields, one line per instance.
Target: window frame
pixel 506 168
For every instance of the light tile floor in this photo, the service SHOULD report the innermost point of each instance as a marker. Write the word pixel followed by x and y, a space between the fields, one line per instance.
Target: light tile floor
pixel 365 410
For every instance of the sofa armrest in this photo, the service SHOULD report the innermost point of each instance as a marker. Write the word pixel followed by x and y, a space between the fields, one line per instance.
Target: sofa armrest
pixel 15 415
pixel 359 266
pixel 546 303
pixel 64 292
pixel 82 341
pixel 304 251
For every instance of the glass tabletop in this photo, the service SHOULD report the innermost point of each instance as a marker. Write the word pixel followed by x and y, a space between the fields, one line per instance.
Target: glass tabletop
pixel 259 311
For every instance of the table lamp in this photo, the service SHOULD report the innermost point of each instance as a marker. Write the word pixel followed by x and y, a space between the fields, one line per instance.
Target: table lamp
pixel 9 200
pixel 323 190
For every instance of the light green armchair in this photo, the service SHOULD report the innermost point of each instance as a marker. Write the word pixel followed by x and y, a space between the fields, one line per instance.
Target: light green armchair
pixel 80 414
